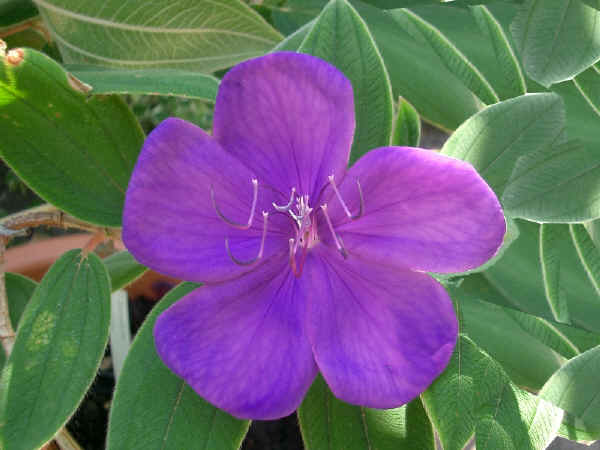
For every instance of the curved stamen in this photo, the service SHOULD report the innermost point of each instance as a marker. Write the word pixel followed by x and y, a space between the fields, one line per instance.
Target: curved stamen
pixel 336 238
pixel 287 207
pixel 339 196
pixel 260 250
pixel 252 209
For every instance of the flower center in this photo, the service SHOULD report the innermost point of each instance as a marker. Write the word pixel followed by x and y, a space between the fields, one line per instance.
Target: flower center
pixel 303 216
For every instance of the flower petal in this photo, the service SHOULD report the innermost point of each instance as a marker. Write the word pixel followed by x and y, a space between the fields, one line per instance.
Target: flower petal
pixel 380 336
pixel 169 221
pixel 289 117
pixel 422 210
pixel 241 345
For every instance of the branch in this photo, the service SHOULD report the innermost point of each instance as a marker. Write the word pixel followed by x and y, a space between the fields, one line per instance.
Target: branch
pixel 49 216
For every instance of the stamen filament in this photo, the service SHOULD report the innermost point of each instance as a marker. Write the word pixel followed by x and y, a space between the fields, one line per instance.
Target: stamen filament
pixel 345 208
pixel 260 250
pixel 293 249
pixel 336 239
pixel 253 208
pixel 287 207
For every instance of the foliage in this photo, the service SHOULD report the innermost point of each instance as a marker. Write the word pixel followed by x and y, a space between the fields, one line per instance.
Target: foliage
pixel 515 82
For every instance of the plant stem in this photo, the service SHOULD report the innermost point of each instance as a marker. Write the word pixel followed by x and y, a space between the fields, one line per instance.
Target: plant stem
pixel 49 216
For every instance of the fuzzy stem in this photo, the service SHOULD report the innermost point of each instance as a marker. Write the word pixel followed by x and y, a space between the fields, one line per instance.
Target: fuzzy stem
pixel 49 216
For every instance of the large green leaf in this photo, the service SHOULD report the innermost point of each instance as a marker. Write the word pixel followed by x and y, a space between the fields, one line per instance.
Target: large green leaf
pixel 342 38
pixel 550 236
pixel 529 361
pixel 565 340
pixel 555 183
pixel 123 269
pixel 588 84
pixel 179 83
pixel 329 423
pixel 557 39
pixel 60 343
pixel 154 409
pixel 474 395
pixel 589 255
pixel 575 389
pixel 508 63
pixel 293 42
pixel 452 58
pixel 495 138
pixel 76 152
pixel 518 277
pixel 199 35
pixel 416 72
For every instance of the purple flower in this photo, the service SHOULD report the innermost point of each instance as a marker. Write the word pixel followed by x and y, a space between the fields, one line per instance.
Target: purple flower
pixel 308 266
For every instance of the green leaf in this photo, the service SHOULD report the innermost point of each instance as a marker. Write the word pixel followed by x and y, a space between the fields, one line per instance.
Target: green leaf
pixel 59 345
pixel 19 290
pixel 566 340
pixel 452 58
pixel 508 63
pixel 475 395
pixel 550 259
pixel 74 151
pixel 407 126
pixel 589 255
pixel 549 35
pixel 13 12
pixel 528 360
pixel 293 42
pixel 574 388
pixel 341 37
pixel 200 35
pixel 588 85
pixel 154 409
pixel 574 429
pixel 493 139
pixel 123 269
pixel 179 83
pixel 518 277
pixel 296 14
pixel 417 73
pixel 556 183
pixel 326 422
